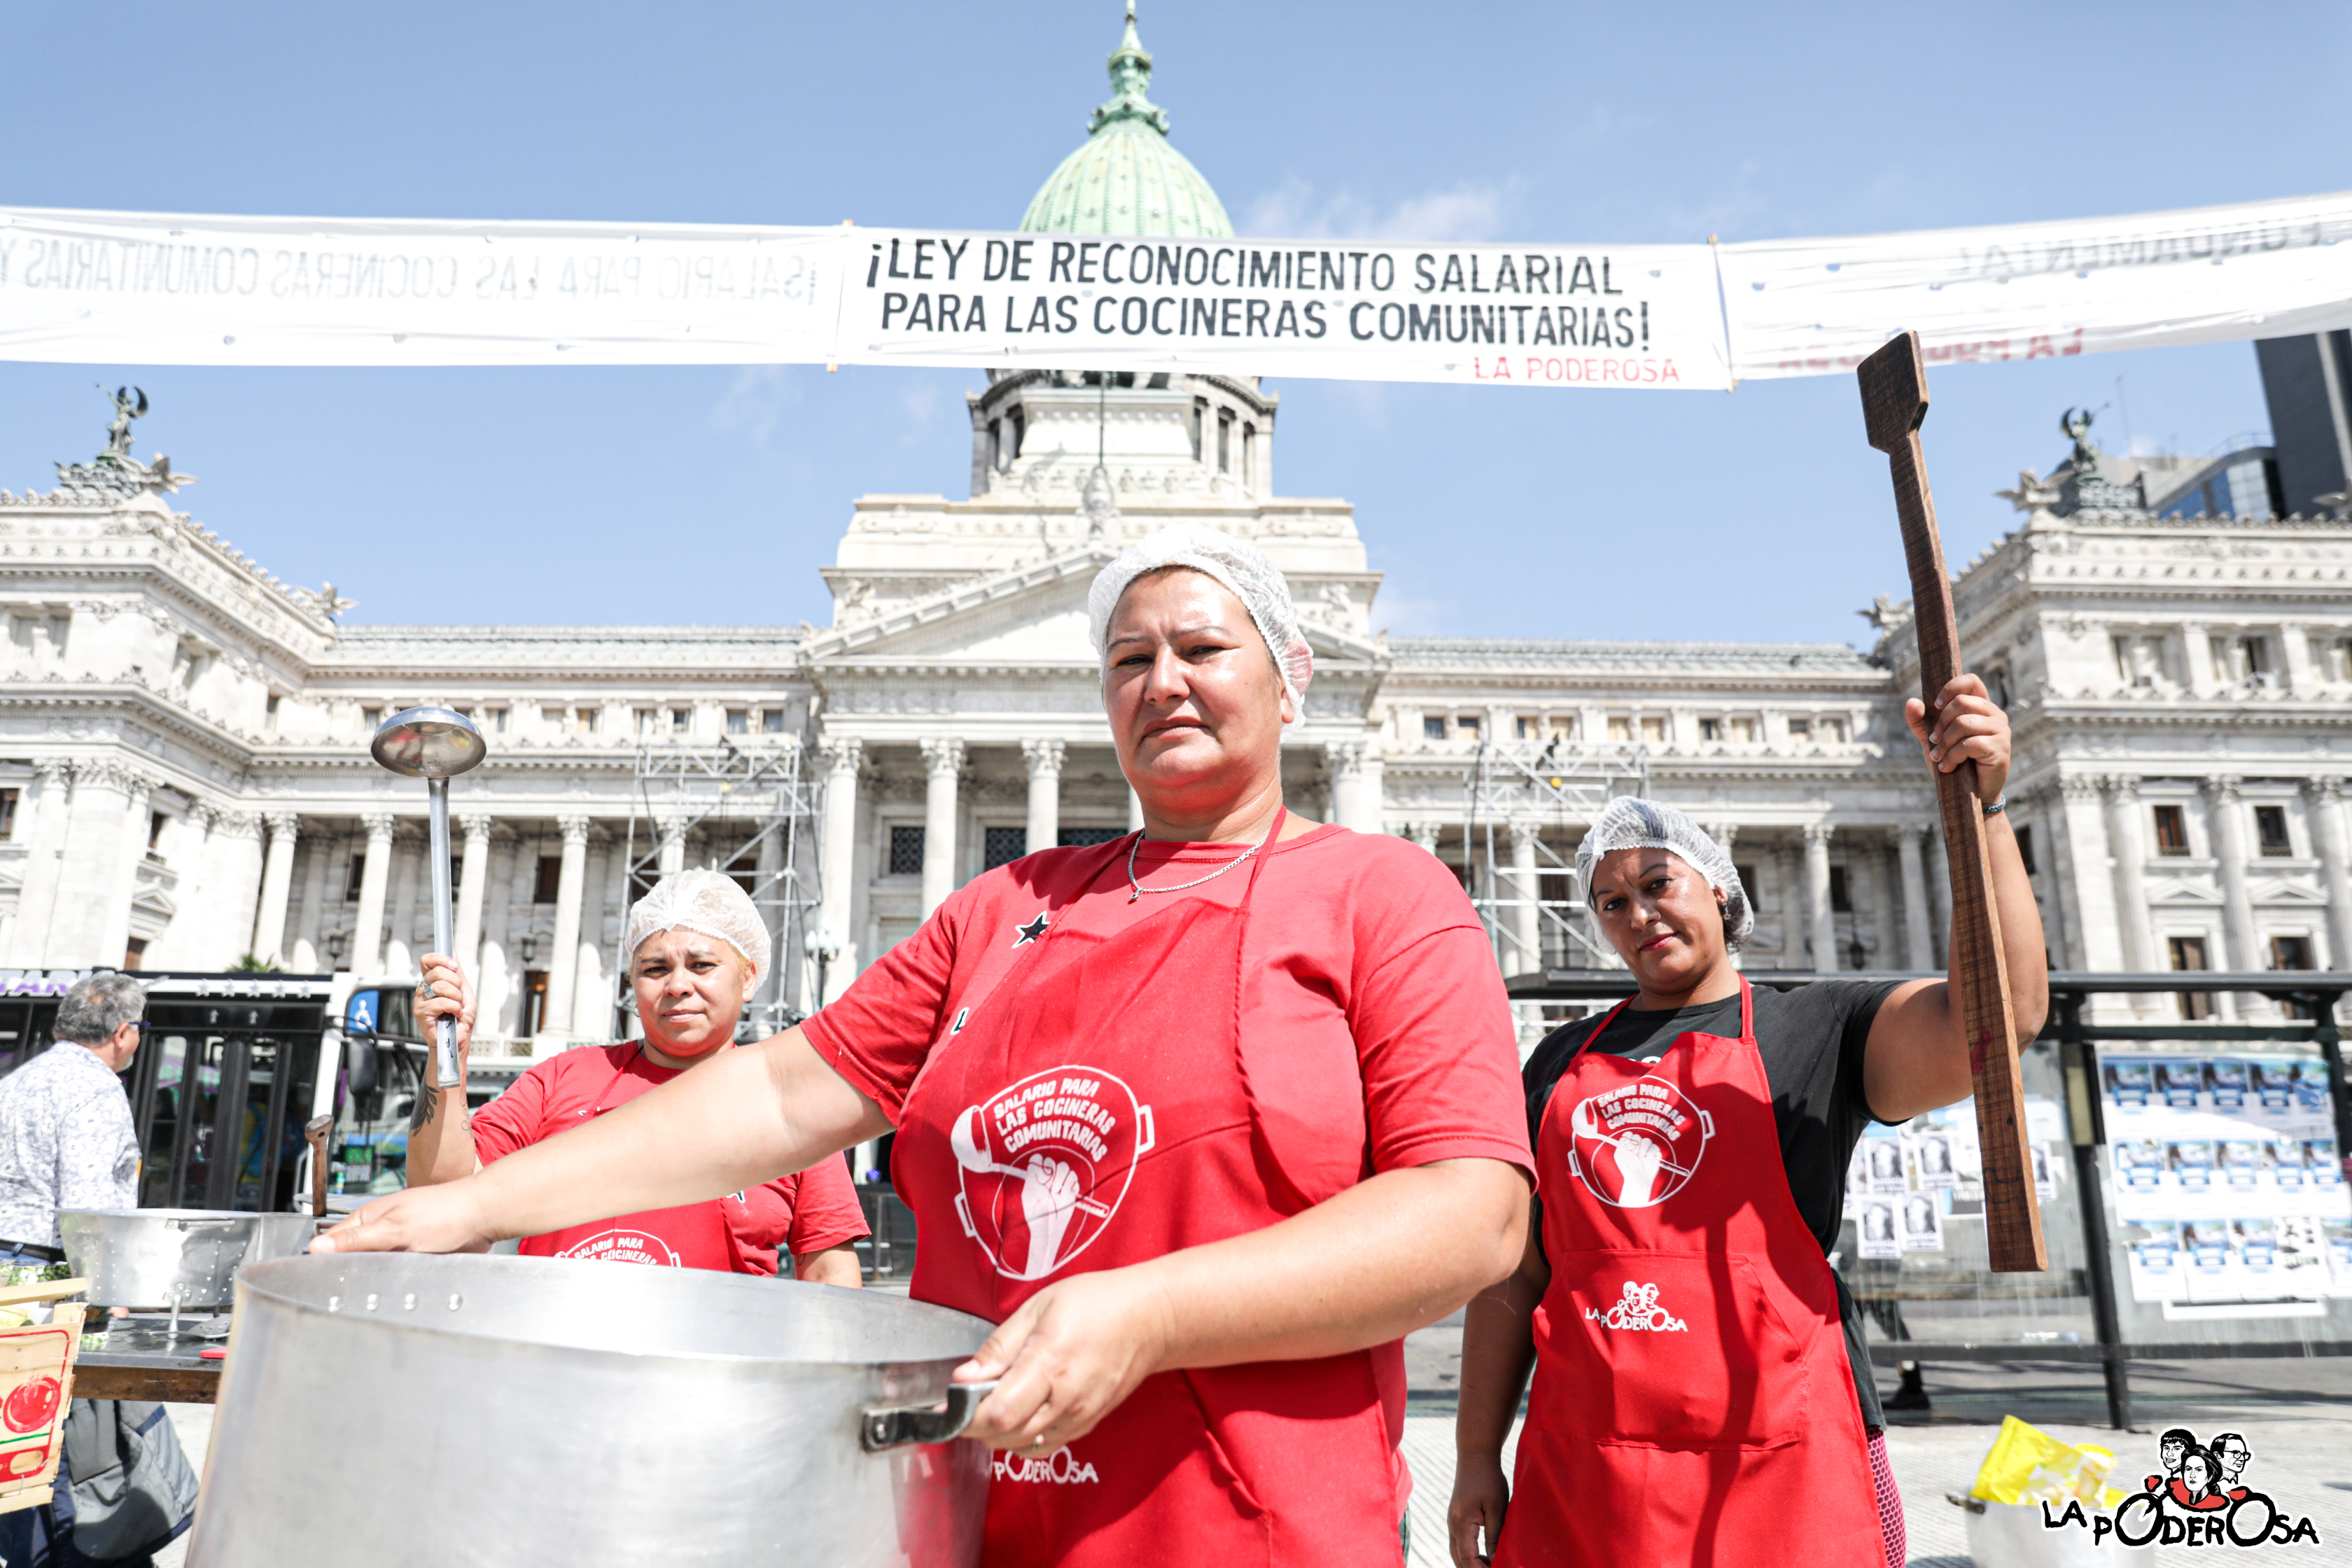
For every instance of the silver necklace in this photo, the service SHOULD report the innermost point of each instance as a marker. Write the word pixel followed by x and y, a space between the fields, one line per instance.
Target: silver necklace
pixel 1137 889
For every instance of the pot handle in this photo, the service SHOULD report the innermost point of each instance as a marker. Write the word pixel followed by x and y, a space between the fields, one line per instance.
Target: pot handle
pixel 897 1426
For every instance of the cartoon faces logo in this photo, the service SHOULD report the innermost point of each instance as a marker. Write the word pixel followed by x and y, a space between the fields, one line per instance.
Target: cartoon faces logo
pixel 1637 1311
pixel 625 1247
pixel 2200 1498
pixel 1044 1166
pixel 1638 1144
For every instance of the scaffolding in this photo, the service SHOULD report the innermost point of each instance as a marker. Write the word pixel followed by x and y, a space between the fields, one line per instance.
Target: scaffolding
pixel 758 812
pixel 1523 801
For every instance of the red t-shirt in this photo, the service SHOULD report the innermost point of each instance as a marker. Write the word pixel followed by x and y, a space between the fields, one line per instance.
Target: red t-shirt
pixel 798 1215
pixel 1361 949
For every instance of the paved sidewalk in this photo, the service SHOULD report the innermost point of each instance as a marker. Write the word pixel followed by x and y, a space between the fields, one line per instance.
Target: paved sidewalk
pixel 2305 1465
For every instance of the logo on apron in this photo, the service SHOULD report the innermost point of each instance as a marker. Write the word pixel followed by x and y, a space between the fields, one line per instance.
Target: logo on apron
pixel 625 1247
pixel 1638 1144
pixel 1044 1166
pixel 1637 1311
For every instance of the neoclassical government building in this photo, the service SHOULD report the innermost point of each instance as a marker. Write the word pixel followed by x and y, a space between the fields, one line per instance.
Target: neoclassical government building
pixel 185 783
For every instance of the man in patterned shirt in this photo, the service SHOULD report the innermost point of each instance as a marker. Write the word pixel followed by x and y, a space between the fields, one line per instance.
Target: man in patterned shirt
pixel 66 1134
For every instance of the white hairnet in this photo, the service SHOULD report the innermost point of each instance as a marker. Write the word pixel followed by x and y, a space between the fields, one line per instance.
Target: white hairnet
pixel 1631 823
pixel 705 901
pixel 1239 566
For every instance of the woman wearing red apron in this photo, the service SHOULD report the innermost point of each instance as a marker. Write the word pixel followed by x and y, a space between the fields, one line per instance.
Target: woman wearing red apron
pixel 1701 1393
pixel 1207 1118
pixel 697 943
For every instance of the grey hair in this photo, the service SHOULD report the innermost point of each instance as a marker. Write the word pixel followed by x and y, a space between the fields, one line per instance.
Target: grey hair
pixel 99 1006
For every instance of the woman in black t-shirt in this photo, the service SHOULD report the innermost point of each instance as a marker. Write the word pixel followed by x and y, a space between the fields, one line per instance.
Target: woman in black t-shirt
pixel 1700 1390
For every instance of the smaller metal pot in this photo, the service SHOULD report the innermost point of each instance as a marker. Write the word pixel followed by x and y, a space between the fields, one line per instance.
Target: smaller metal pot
pixel 160 1259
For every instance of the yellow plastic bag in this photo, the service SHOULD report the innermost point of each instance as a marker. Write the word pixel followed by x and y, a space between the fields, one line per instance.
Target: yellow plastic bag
pixel 2027 1465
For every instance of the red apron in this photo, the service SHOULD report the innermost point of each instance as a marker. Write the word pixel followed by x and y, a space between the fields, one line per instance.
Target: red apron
pixel 1693 1403
pixel 693 1236
pixel 1098 1108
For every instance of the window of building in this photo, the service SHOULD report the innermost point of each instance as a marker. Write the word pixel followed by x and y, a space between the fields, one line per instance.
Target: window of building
pixel 547 885
pixel 2270 830
pixel 497 719
pixel 1467 724
pixel 738 720
pixel 1743 731
pixel 2332 658
pixel 1746 875
pixel 1653 729
pixel 2187 954
pixel 1086 838
pixel 1433 726
pixel 771 720
pixel 2245 658
pixel 906 851
pixel 1224 440
pixel 681 720
pixel 1996 681
pixel 371 719
pixel 1831 729
pixel 555 718
pixel 269 714
pixel 1801 729
pixel 353 875
pixel 648 721
pixel 7 814
pixel 2291 952
pixel 1840 902
pixel 744 872
pixel 2171 832
pixel 583 720
pixel 1530 727
pixel 1710 729
pixel 534 1000
pixel 2025 848
pixel 1563 726
pixel 157 822
pixel 1621 727
pixel 134 956
pixel 1002 846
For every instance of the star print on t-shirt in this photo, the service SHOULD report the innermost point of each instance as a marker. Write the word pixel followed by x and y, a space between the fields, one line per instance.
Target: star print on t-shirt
pixel 1031 932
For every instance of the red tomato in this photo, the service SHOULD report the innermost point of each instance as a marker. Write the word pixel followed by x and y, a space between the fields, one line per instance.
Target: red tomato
pixel 30 1404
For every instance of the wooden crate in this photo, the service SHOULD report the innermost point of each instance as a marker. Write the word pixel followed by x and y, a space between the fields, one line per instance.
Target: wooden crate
pixel 36 1368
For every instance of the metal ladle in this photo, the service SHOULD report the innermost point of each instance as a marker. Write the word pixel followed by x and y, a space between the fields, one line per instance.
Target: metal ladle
pixel 435 745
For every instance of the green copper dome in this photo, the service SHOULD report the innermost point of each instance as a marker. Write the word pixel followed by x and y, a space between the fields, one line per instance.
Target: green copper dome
pixel 1127 179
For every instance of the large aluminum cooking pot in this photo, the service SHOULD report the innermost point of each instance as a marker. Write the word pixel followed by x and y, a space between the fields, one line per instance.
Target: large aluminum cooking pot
pixel 167 1258
pixel 395 1409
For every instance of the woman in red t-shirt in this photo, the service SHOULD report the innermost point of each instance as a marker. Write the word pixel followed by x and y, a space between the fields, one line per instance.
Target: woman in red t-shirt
pixel 695 943
pixel 1207 1118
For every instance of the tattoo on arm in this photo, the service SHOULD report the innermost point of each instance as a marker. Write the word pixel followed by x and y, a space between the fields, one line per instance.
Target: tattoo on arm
pixel 428 1101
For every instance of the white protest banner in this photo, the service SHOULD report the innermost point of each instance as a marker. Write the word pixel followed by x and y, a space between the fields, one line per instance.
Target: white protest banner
pixel 1504 315
pixel 2262 269
pixel 132 288
pixel 154 289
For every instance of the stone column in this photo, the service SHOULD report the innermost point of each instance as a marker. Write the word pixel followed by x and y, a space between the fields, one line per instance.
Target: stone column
pixel 592 996
pixel 233 889
pixel 410 854
pixel 840 868
pixel 321 856
pixel 2324 798
pixel 1817 891
pixel 277 888
pixel 1789 875
pixel 563 951
pixel 93 842
pixel 1919 956
pixel 2227 813
pixel 2097 921
pixel 522 894
pixel 1424 834
pixel 1939 888
pixel 113 932
pixel 367 928
pixel 942 760
pixel 493 983
pixel 1345 758
pixel 672 855
pixel 1044 759
pixel 2130 849
pixel 51 809
pixel 1525 955
pixel 475 871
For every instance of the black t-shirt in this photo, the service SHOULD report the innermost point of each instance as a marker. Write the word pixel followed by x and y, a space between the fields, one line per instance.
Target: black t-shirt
pixel 1811 1040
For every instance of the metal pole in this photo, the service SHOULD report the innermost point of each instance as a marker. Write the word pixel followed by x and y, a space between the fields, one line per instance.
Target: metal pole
pixel 2087 1126
pixel 2331 1051
pixel 444 1043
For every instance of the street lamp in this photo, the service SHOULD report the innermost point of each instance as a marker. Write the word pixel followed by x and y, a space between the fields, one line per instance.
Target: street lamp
pixel 435 745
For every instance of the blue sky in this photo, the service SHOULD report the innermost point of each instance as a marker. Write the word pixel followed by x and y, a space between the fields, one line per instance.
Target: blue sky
pixel 711 496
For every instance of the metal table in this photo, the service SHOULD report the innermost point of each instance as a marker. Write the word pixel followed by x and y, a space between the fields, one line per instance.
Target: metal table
pixel 144 1360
